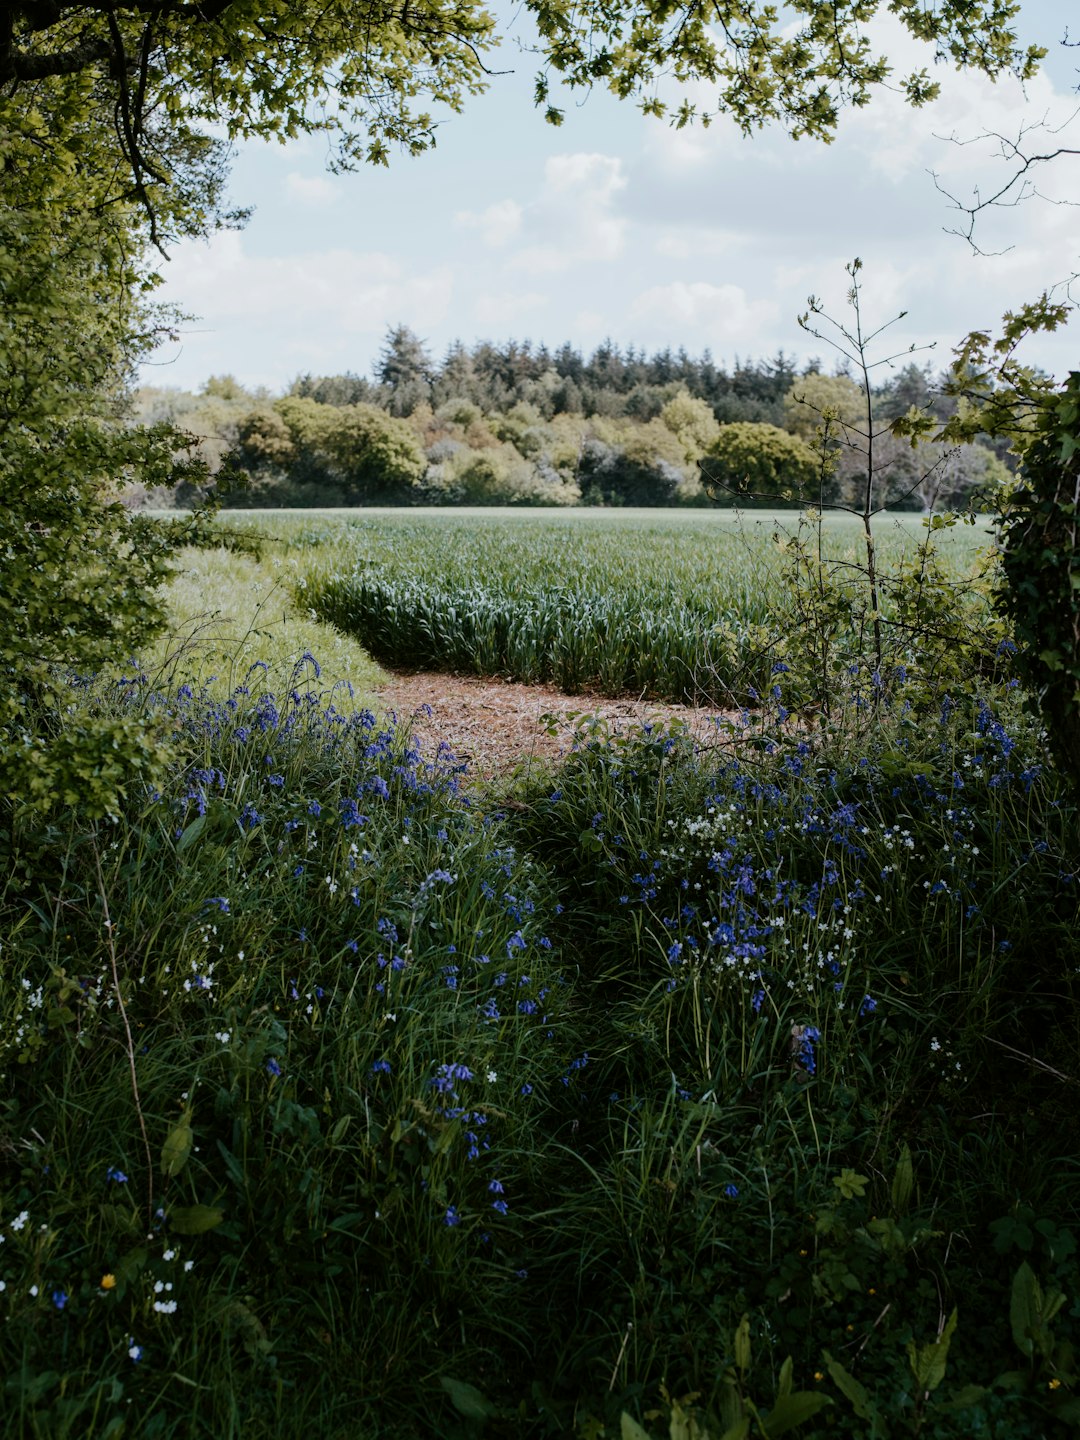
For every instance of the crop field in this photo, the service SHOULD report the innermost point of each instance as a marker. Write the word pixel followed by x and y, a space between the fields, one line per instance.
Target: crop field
pixel 690 607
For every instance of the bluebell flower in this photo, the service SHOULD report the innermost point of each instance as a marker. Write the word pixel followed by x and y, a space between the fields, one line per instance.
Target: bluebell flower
pixel 116 1176
pixel 272 1067
pixel 452 1217
pixel 59 1298
pixel 380 1067
pixel 731 1191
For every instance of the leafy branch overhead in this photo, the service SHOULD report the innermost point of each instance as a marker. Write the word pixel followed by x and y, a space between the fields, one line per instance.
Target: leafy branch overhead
pixel 161 70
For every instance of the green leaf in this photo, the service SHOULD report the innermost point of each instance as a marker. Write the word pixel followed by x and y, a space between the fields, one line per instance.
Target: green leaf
pixel 466 1399
pixel 784 1384
pixel 739 1431
pixel 851 1185
pixel 1025 1308
pixel 792 1410
pixel 629 1429
pixel 177 1147
pixel 848 1386
pixel 191 833
pixel 928 1361
pixel 131 1265
pixel 903 1181
pixel 742 1344
pixel 195 1219
pixel 962 1400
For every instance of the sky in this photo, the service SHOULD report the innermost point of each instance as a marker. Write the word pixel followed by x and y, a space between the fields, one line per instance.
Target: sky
pixel 616 226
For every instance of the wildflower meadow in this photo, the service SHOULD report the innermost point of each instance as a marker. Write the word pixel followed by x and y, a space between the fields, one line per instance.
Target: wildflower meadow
pixel 672 1089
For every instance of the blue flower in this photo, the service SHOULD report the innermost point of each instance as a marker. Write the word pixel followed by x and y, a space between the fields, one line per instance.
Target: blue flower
pixel 500 1205
pixel 452 1217
pixel 496 1187
pixel 381 1067
pixel 868 1006
pixel 59 1298
pixel 116 1176
pixel 731 1191
pixel 272 1067
pixel 805 1054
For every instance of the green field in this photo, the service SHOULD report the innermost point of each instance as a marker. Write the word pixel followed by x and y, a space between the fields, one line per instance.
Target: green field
pixel 685 607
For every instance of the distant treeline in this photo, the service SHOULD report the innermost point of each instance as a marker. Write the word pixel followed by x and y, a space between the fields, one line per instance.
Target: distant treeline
pixel 611 382
pixel 518 424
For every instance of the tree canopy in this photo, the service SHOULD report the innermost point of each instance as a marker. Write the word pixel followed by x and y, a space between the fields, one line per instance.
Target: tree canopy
pixel 124 90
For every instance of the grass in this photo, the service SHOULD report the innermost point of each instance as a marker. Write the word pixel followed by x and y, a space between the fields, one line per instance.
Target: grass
pixel 339 1097
pixel 684 608
pixel 227 610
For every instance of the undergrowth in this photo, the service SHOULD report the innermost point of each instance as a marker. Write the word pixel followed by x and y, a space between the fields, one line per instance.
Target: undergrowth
pixel 337 1096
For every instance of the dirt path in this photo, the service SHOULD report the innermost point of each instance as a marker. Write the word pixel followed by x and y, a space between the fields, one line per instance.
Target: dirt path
pixel 496 725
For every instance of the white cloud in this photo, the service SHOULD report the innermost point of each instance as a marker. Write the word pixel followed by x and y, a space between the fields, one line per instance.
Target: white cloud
pixel 501 311
pixel 696 243
pixel 320 308
pixel 497 225
pixel 573 221
pixel 705 313
pixel 310 189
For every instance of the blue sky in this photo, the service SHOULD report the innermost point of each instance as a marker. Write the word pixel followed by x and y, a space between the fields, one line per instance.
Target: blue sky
pixel 615 225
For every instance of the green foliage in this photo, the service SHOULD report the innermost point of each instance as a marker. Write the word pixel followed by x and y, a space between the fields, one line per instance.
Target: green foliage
pixel 339 454
pixel 80 581
pixel 167 71
pixel 812 397
pixel 1040 545
pixel 759 464
pixel 1037 513
pixel 762 72
pixel 713 1201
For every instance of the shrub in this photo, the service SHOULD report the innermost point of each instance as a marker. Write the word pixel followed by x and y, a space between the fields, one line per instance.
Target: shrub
pixel 751 463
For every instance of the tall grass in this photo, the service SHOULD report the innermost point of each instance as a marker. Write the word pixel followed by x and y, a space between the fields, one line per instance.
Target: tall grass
pixel 336 1099
pixel 227 610
pixel 645 606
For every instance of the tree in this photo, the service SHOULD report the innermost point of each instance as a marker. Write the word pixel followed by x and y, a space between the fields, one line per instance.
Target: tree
pixel 65 540
pixel 753 464
pixel 361 450
pixel 811 397
pixel 692 423
pixel 116 119
pixel 403 359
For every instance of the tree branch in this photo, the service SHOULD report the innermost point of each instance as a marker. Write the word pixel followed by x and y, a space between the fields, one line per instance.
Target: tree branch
pixel 1018 187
